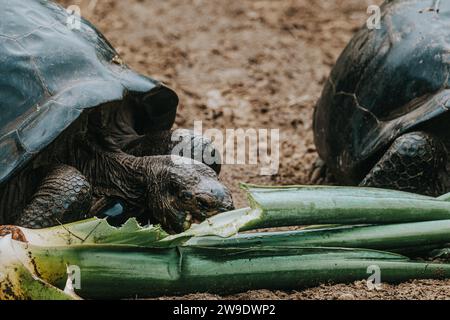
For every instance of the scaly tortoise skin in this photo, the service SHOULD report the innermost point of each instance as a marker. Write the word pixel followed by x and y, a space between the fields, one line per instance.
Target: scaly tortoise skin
pixel 80 131
pixel 382 119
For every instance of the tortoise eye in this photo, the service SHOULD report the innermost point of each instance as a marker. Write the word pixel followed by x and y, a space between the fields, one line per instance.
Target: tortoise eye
pixel 187 195
pixel 203 203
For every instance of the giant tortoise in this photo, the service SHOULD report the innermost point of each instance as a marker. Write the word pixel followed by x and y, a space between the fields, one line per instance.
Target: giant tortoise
pixel 382 119
pixel 80 131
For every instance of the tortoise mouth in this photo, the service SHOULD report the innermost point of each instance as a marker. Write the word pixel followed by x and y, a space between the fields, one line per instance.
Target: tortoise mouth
pixel 181 221
pixel 191 220
pixel 199 217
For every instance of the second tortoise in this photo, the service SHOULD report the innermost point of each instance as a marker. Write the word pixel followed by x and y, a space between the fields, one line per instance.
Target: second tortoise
pixel 383 120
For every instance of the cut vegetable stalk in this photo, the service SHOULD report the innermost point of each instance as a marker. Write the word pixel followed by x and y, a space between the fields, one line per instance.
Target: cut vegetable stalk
pixel 397 237
pixel 96 231
pixel 287 206
pixel 128 272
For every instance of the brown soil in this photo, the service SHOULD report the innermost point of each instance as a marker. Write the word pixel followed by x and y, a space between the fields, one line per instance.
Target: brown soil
pixel 247 64
pixel 417 290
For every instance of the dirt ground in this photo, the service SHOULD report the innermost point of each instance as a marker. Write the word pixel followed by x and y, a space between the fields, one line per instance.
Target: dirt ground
pixel 247 64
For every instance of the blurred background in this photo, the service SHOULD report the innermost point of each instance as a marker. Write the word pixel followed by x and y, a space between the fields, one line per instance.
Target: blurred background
pixel 237 64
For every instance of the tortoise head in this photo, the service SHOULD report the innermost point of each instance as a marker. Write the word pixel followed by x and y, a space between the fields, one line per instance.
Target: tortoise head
pixel 188 192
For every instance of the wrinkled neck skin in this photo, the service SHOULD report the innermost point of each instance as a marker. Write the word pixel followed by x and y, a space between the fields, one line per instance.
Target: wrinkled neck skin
pixel 140 182
pixel 98 155
pixel 132 179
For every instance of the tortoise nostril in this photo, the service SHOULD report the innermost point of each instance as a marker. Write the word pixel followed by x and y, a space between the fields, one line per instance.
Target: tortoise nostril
pixel 219 194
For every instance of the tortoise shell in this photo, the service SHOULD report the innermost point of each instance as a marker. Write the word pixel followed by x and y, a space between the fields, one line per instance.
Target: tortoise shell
pixel 51 73
pixel 387 82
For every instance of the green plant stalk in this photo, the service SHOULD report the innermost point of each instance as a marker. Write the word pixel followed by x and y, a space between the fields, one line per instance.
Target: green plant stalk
pixel 396 237
pixel 98 231
pixel 287 206
pixel 112 272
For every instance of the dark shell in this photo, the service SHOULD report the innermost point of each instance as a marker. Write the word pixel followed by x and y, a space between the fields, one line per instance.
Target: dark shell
pixel 51 74
pixel 385 83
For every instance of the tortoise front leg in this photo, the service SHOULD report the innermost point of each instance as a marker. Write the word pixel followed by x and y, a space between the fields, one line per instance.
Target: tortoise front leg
pixel 160 143
pixel 319 173
pixel 63 196
pixel 415 162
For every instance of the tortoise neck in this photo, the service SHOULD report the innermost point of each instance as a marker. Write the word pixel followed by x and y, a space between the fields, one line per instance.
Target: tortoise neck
pixel 133 179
